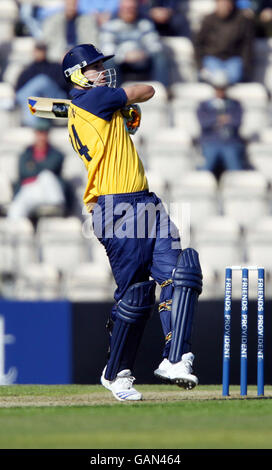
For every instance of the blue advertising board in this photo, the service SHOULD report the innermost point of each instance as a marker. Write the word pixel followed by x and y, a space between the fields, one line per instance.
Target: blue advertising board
pixel 62 343
pixel 35 342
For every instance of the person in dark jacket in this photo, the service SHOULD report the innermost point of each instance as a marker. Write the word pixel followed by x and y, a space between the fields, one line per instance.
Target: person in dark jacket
pixel 225 42
pixel 167 17
pixel 220 120
pixel 40 78
pixel 263 17
pixel 39 175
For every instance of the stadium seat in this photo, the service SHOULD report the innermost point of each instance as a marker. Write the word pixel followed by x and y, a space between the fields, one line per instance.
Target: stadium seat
pixel 254 100
pixel 196 10
pixel 185 100
pixel 14 139
pixel 89 282
pixel 8 16
pixel 155 112
pixel 38 282
pixel 17 244
pixel 170 167
pixel 6 190
pixel 186 119
pixel 265 135
pixel 8 10
pixel 253 122
pixel 97 252
pixel 219 243
pixel 244 196
pixel 168 141
pixel 6 97
pixel 22 50
pixel 268 76
pixel 156 182
pixel 191 94
pixel 183 66
pixel 210 289
pixel 12 72
pixel 61 242
pixel 169 154
pixel 258 243
pixel 250 95
pixel 259 155
pixel 73 168
pixel 9 165
pixel 199 190
pixel 59 136
pixel 78 191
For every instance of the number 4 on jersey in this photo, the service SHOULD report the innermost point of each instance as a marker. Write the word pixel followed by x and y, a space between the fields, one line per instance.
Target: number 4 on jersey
pixel 80 148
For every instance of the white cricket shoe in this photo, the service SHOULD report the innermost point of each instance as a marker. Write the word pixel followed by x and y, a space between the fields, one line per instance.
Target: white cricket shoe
pixel 121 386
pixel 179 373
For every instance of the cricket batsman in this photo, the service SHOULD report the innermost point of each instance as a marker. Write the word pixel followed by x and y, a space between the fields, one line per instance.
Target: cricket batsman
pixel 100 120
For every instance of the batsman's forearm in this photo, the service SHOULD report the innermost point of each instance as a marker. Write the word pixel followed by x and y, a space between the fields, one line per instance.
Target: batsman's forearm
pixel 50 108
pixel 139 93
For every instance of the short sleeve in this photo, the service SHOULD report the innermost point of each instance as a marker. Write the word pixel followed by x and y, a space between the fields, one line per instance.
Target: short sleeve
pixel 102 101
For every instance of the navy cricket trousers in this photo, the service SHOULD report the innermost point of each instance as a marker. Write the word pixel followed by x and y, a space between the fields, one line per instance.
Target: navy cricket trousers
pixel 140 242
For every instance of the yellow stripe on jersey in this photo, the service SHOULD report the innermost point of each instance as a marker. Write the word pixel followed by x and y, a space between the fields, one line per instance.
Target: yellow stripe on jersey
pixel 108 153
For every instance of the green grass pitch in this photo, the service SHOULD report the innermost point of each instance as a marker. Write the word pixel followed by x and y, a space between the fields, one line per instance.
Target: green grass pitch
pixel 88 417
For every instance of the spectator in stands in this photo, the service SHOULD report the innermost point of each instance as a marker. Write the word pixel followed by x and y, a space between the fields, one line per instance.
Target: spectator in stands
pixel 225 42
pixel 139 53
pixel 31 16
pixel 40 78
pixel 263 17
pixel 261 12
pixel 39 175
pixel 220 119
pixel 66 28
pixel 167 17
pixel 102 9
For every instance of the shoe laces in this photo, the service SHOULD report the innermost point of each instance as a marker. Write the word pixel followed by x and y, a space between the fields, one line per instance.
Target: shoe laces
pixel 126 382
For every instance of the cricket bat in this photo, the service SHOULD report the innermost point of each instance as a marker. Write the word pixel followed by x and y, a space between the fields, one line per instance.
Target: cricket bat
pixel 50 108
pixel 57 108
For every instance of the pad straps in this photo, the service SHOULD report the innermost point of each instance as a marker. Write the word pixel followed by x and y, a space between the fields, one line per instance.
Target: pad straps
pixel 187 280
pixel 132 312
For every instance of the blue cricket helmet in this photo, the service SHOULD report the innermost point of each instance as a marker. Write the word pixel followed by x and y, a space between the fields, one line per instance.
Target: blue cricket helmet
pixel 81 56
